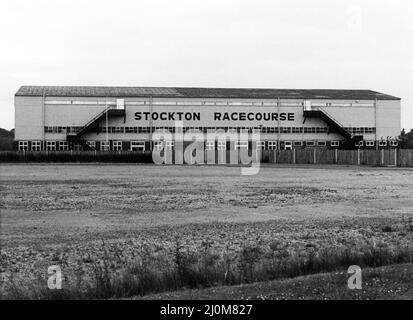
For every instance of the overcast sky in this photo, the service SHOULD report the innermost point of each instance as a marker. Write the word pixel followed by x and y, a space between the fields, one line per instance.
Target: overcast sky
pixel 263 44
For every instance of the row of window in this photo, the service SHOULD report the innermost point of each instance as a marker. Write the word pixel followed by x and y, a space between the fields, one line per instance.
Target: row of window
pixel 224 129
pixel 111 129
pixel 168 145
pixel 209 145
pixel 361 130
pixel 381 143
pixel 62 129
pixel 206 103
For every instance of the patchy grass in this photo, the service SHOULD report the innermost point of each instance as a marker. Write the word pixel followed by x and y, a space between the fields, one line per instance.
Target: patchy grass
pixel 118 276
pixel 388 282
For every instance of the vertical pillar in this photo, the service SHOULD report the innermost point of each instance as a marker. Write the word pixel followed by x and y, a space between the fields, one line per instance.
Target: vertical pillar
pixel 395 157
pixel 336 156
pixel 358 157
pixel 315 155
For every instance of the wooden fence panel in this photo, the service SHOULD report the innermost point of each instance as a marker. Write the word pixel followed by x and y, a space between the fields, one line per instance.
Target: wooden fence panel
pixel 284 156
pixel 304 156
pixel 405 157
pixel 370 157
pixel 347 157
pixel 265 156
pixel 389 157
pixel 325 156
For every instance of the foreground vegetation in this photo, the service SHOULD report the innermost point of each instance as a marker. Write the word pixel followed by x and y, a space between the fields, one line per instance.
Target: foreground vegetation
pixel 119 276
pixel 392 282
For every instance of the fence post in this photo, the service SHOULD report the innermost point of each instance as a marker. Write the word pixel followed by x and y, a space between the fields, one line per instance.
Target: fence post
pixel 336 156
pixel 358 157
pixel 293 156
pixel 315 156
pixel 275 156
pixel 382 157
pixel 395 157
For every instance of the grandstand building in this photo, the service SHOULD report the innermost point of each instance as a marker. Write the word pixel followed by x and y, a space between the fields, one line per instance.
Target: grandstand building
pixel 125 118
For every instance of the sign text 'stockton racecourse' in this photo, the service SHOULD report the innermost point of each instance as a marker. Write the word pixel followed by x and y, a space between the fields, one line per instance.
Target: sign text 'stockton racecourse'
pixel 218 116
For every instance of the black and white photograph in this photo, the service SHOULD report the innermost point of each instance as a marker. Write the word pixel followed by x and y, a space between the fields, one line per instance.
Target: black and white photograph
pixel 206 158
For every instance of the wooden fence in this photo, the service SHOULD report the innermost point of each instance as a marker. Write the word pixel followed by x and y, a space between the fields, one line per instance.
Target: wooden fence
pixel 391 157
pixel 76 156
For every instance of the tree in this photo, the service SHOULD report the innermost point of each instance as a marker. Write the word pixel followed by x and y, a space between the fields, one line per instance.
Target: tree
pixel 6 139
pixel 406 139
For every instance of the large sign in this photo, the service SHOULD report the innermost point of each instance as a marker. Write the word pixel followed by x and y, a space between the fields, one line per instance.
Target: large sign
pixel 217 116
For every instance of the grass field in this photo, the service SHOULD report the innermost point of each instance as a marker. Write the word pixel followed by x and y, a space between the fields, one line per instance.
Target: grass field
pixel 175 223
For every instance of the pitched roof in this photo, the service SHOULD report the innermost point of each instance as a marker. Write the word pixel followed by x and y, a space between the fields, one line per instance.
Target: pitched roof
pixel 180 92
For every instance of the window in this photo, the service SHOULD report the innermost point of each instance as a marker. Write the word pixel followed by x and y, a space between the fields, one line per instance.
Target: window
pixel 117 129
pixel 335 143
pixel 310 143
pixel 394 143
pixel 51 145
pixel 210 145
pixel 288 145
pixel 91 144
pixel 158 145
pixel 169 145
pixel 23 145
pixel 260 144
pixel 297 143
pixel 272 145
pixel 241 144
pixel 321 130
pixel 104 146
pixel 117 145
pixel 77 147
pixel 297 130
pixel 222 145
pixel 382 143
pixel 63 145
pixel 137 146
pixel 359 144
pixel 321 143
pixel 132 129
pixel 36 145
pixel 369 143
pixel 120 104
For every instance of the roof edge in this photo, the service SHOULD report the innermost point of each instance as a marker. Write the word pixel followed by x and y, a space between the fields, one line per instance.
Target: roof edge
pixel 201 92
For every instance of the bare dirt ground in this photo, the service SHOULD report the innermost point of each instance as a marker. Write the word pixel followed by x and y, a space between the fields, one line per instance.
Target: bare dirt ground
pixel 55 213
